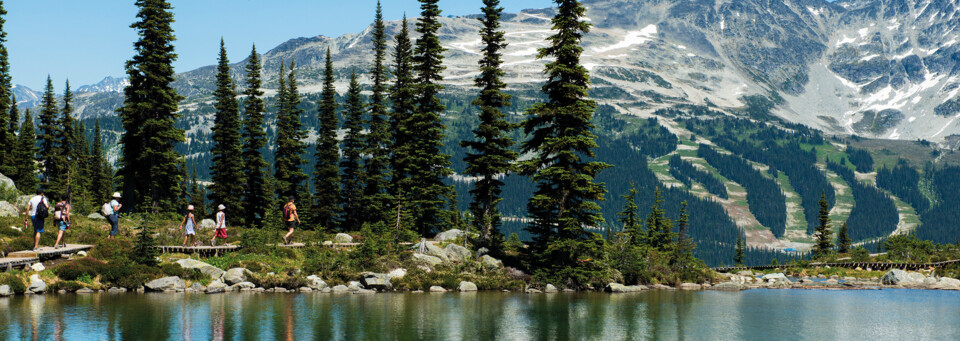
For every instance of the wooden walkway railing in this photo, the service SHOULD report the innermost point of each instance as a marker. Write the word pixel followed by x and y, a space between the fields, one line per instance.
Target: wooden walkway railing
pixel 851 265
pixel 25 258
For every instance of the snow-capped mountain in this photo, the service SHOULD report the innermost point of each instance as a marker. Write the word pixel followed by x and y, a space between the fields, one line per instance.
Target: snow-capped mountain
pixel 108 84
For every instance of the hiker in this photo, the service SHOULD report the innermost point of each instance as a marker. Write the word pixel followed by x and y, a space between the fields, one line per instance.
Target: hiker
pixel 189 224
pixel 291 218
pixel 221 230
pixel 61 217
pixel 38 209
pixel 113 215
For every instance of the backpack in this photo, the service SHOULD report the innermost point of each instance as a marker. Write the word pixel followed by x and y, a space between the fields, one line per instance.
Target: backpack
pixel 58 211
pixel 286 212
pixel 107 210
pixel 43 211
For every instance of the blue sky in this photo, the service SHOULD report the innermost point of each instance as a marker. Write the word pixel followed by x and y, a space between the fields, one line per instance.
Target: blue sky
pixel 91 39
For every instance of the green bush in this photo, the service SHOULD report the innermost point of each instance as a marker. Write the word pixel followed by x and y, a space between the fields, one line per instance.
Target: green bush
pixel 17 285
pixel 129 275
pixel 113 251
pixel 172 269
pixel 69 286
pixel 278 280
pixel 76 269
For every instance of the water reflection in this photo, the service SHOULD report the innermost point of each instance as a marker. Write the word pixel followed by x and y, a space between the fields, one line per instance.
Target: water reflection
pixel 758 314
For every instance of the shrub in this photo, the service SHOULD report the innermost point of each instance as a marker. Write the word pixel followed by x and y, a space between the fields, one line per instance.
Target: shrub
pixel 129 275
pixel 172 269
pixel 16 283
pixel 69 286
pixel 113 251
pixel 277 280
pixel 74 270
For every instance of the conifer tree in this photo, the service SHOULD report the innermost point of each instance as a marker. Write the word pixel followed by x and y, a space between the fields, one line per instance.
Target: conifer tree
pixel 256 194
pixel 630 217
pixel 376 201
pixel 100 170
pixel 70 147
pixel 659 234
pixel 226 172
pixel 51 155
pixel 492 155
pixel 738 253
pixel 844 244
pixel 823 235
pixel 428 166
pixel 7 103
pixel 402 95
pixel 149 166
pixel 326 174
pixel 67 132
pixel 561 142
pixel 352 189
pixel 26 155
pixel 288 155
pixel 14 116
pixel 683 256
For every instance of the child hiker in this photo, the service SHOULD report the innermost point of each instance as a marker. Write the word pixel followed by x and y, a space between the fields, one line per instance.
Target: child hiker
pixel 189 224
pixel 221 231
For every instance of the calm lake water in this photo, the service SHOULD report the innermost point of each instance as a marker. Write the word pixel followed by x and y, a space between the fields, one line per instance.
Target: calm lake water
pixel 750 315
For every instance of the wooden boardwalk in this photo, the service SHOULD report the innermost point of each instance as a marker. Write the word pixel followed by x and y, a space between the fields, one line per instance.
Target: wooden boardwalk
pixel 25 258
pixel 851 265
pixel 10 263
pixel 201 250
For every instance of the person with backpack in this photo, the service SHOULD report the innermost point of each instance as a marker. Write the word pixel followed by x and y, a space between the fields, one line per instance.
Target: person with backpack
pixel 38 208
pixel 111 210
pixel 221 231
pixel 189 224
pixel 290 218
pixel 61 217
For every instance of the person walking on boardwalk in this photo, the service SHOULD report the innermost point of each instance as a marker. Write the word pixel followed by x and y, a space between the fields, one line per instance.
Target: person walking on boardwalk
pixel 61 217
pixel 290 218
pixel 221 231
pixel 113 215
pixel 189 224
pixel 38 208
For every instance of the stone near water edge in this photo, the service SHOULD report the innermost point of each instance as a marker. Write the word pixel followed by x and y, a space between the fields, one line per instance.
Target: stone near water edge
pixel 37 285
pixel 467 286
pixel 398 273
pixel 305 289
pixel 343 238
pixel 326 290
pixel 491 263
pixel 662 287
pixel 280 290
pixel 376 281
pixel 85 291
pixel 929 281
pixel 235 275
pixel 207 269
pixel 898 277
pixel 727 286
pixel 457 253
pixel 690 286
pixel 550 289
pixel 364 292
pixel 37 267
pixel 196 286
pixel 242 285
pixel 166 283
pixel 775 277
pixel 208 224
pixel 620 288
pixel 340 288
pixel 832 282
pixel 533 291
pixel 5 290
pixel 448 235
pixel 354 285
pixel 314 282
pixel 96 216
pixel 116 290
pixel 8 210
pixel 427 259
pixel 437 289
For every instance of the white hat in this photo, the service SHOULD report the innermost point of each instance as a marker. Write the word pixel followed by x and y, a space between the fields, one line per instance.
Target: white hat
pixel 116 195
pixel 189 207
pixel 221 207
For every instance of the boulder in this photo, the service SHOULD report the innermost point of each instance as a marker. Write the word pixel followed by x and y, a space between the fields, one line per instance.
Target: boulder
pixel 448 235
pixel 36 285
pixel 690 286
pixel 235 275
pixel 305 289
pixel 206 269
pixel 8 210
pixel 491 263
pixel 343 238
pixel 432 249
pixel 340 289
pixel 354 286
pixel 775 277
pixel 916 276
pixel 96 216
pixel 6 182
pixel 620 288
pixel 534 291
pixel 376 281
pixel 166 283
pixel 458 253
pixel 327 243
pixel 397 273
pixel 5 290
pixel 427 259
pixel 280 290
pixel 727 286
pixel 831 282
pixel 196 286
pixel 659 286
pixel 437 289
pixel 467 286
pixel 550 289
pixel 929 281
pixel 326 290
pixel 116 290
pixel 315 283
pixel 241 286
pixel 216 287
pixel 898 277
pixel 37 267
pixel 85 291
pixel 82 253
pixel 208 224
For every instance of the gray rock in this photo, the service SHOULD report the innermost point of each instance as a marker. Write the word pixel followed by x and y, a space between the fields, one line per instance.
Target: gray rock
pixel 217 286
pixel 898 277
pixel 326 290
pixel 376 281
pixel 727 286
pixel 690 286
pixel 364 292
pixel 662 287
pixel 343 238
pixel 929 281
pixel 354 286
pixel 434 250
pixel 196 286
pixel 8 210
pixel 448 235
pixel 281 290
pixel 620 288
pixel 116 290
pixel 206 269
pixel 831 282
pixel 534 291
pixel 397 273
pixel 235 275
pixel 36 285
pixel 7 183
pixel 550 289
pixel 340 289
pixel 96 216
pixel 5 290
pixel 775 277
pixel 747 273
pixel 467 286
pixel 85 291
pixel 437 289
pixel 427 259
pixel 82 253
pixel 305 289
pixel 458 253
pixel 208 224
pixel 217 290
pixel 315 283
pixel 491 263
pixel 242 285
pixel 166 283
pixel 37 267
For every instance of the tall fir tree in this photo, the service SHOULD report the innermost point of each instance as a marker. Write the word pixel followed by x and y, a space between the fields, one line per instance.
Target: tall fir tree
pixel 630 217
pixel 51 155
pixel 256 192
pixel 844 244
pixel 492 156
pixel 429 166
pixel 101 172
pixel 288 155
pixel 7 102
pixel 659 234
pixel 149 166
pixel 402 95
pixel 376 200
pixel 226 172
pixel 683 253
pixel 352 146
pixel 26 156
pixel 822 234
pixel 738 255
pixel 326 173
pixel 69 145
pixel 560 142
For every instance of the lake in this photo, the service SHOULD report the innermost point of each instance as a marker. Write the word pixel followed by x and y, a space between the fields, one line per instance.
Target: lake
pixel 749 315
